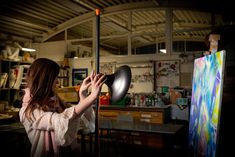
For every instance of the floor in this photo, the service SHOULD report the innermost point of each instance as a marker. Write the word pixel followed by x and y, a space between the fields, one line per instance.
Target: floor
pixel 133 150
pixel 18 144
pixel 15 145
pixel 122 148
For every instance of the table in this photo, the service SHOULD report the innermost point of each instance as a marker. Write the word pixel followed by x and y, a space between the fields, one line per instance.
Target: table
pixel 17 131
pixel 14 140
pixel 12 127
pixel 138 126
pixel 167 131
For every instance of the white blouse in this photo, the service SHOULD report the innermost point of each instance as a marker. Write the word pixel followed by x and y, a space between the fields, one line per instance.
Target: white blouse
pixel 49 130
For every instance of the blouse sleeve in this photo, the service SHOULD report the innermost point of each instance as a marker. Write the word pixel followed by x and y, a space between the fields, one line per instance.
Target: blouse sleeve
pixel 88 124
pixel 65 125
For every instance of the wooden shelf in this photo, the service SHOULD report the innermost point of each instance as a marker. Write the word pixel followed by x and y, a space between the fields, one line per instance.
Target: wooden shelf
pixel 63 77
pixel 11 67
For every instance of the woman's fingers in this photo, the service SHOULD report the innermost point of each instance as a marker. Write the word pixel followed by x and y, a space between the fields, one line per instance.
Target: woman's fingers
pixel 101 80
pixel 92 72
pixel 86 83
pixel 87 79
pixel 92 75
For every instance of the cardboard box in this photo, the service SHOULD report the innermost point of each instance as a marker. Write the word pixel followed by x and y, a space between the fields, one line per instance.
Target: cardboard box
pixel 68 94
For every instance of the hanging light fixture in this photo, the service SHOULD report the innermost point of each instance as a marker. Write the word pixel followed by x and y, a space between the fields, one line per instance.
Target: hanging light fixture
pixel 24 48
pixel 28 49
pixel 163 50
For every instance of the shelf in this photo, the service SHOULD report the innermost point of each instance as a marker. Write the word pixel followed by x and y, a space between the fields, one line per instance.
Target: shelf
pixel 8 60
pixel 63 77
pixel 15 80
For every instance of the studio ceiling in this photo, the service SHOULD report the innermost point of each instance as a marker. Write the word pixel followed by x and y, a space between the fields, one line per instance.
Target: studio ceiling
pixel 40 21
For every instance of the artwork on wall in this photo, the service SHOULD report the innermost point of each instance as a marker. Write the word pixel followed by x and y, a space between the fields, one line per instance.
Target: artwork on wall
pixel 205 104
pixel 107 68
pixel 168 73
pixel 142 78
pixel 78 75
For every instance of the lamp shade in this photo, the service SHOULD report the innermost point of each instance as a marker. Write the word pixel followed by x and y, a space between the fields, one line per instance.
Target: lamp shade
pixel 119 82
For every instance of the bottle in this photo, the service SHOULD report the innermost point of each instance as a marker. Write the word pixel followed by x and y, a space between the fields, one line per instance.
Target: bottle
pixel 137 100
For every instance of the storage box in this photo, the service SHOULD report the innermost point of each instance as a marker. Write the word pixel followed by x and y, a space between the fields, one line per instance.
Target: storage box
pixel 104 100
pixel 68 94
pixel 182 101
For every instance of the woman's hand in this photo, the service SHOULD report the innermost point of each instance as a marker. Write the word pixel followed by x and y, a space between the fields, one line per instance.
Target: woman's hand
pixel 97 80
pixel 84 87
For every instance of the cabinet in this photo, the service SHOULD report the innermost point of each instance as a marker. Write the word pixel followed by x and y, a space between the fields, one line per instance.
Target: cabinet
pixel 152 115
pixel 13 78
pixel 145 114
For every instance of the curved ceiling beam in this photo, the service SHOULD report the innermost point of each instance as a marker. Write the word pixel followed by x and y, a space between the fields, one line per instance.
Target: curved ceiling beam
pixel 106 11
pixel 138 6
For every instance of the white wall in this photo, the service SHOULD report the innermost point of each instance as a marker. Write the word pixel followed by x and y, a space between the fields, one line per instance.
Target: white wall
pixel 57 50
pixel 134 62
pixel 52 50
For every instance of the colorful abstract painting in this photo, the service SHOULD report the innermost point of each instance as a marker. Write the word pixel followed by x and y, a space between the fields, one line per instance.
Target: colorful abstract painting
pixel 205 104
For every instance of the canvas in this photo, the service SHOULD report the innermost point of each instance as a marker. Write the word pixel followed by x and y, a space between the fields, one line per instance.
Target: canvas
pixel 206 104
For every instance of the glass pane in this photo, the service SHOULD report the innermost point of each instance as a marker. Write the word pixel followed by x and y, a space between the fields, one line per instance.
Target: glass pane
pixel 80 49
pixel 143 45
pixel 148 30
pixel 80 31
pixel 58 37
pixel 114 46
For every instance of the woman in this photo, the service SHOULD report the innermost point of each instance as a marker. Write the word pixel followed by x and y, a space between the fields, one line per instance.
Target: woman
pixel 47 121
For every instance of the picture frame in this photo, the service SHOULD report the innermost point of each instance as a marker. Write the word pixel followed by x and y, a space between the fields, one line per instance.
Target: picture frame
pixel 78 75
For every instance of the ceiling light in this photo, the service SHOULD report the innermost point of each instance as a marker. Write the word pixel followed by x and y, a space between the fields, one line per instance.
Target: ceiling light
pixel 24 48
pixel 163 50
pixel 28 49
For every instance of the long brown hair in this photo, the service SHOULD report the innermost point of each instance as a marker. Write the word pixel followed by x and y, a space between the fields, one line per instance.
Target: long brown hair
pixel 40 79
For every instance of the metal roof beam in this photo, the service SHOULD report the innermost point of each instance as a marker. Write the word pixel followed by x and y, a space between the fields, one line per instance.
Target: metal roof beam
pixel 72 6
pixel 88 16
pixel 27 24
pixel 19 27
